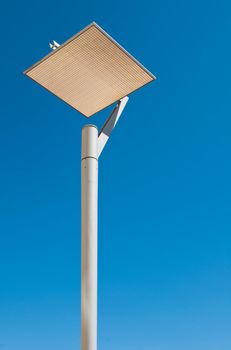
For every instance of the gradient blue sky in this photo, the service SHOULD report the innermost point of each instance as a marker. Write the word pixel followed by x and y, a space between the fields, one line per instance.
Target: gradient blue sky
pixel 165 190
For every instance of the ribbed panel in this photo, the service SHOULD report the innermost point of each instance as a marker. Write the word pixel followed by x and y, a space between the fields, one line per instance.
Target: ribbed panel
pixel 90 72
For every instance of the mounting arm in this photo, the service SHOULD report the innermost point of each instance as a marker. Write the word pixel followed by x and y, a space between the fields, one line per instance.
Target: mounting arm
pixel 110 123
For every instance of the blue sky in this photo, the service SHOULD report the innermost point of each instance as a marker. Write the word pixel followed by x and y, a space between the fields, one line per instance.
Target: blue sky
pixel 164 187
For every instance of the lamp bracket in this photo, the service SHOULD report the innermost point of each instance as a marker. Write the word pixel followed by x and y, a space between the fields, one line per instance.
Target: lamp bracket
pixel 110 123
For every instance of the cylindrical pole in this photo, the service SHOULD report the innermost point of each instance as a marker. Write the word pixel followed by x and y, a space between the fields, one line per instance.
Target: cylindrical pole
pixel 89 175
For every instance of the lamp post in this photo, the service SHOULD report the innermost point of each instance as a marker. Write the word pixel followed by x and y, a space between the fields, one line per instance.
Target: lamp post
pixel 89 204
pixel 90 71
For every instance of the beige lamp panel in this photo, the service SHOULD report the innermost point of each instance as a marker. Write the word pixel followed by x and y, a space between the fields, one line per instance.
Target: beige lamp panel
pixel 90 71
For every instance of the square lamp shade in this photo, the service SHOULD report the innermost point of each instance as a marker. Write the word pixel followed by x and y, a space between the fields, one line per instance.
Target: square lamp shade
pixel 90 71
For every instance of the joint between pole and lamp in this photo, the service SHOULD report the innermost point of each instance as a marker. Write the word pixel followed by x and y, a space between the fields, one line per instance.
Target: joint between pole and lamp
pixel 110 124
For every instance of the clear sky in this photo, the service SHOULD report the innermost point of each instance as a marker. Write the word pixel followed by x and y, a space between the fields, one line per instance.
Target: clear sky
pixel 164 187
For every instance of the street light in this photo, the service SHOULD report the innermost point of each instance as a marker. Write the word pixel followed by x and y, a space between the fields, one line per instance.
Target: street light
pixel 90 71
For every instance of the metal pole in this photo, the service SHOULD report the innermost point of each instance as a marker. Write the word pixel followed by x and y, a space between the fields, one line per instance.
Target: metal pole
pixel 89 174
